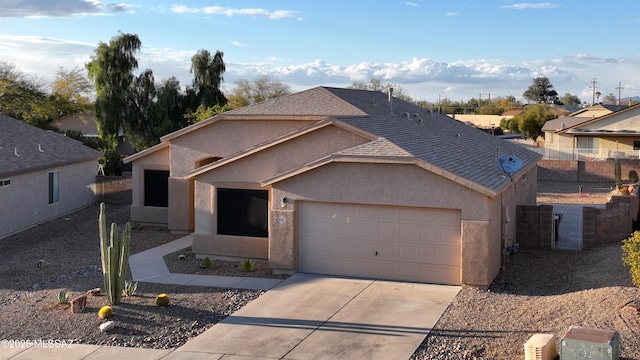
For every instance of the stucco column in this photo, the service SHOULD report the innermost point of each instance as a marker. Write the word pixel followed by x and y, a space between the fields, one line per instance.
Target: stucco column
pixel 180 205
pixel 282 247
pixel 480 258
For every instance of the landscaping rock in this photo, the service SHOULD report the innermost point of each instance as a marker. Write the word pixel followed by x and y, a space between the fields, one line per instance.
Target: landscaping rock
pixel 79 304
pixel 104 327
pixel 94 292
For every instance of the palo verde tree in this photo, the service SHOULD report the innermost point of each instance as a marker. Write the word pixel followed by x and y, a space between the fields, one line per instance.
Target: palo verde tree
pixel 541 92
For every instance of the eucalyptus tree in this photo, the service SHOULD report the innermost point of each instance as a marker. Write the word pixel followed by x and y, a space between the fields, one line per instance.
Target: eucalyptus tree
pixel 117 104
pixel 207 71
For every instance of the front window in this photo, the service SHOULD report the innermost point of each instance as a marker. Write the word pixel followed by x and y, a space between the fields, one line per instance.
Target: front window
pixel 54 187
pixel 243 212
pixel 156 188
pixel 587 144
pixel 5 182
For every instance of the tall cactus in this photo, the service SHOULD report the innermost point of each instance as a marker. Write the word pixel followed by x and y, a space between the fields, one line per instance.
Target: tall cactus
pixel 114 251
pixel 618 172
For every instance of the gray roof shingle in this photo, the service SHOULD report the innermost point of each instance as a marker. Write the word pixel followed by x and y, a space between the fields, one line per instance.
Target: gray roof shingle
pixel 36 148
pixel 408 130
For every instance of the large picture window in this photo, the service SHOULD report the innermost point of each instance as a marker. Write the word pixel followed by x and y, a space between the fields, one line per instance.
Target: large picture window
pixel 54 187
pixel 243 212
pixel 156 188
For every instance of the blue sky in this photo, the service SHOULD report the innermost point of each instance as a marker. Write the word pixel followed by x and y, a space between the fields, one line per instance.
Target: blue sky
pixel 435 49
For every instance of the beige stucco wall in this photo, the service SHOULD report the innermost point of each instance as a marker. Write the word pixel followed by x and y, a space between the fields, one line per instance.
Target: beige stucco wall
pixel 387 184
pixel 158 160
pixel 247 173
pixel 25 202
pixel 223 138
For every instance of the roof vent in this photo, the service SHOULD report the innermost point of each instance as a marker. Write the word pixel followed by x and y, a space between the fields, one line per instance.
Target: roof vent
pixel 391 100
pixel 40 148
pixel 15 151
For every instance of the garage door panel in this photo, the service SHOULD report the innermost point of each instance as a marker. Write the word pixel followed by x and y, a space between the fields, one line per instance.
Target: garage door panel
pixel 412 244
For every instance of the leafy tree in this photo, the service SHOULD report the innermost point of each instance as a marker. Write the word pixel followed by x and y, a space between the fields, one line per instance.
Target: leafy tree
pixel 260 89
pixel 203 113
pixel 375 84
pixel 571 100
pixel 609 99
pixel 23 97
pixel 532 119
pixel 207 71
pixel 541 92
pixel 111 71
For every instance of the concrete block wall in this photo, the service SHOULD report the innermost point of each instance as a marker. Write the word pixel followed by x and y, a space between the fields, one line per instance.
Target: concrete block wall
pixel 534 226
pixel 584 171
pixel 114 189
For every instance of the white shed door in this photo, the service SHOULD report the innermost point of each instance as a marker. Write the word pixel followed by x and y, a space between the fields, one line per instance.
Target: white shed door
pixel 382 242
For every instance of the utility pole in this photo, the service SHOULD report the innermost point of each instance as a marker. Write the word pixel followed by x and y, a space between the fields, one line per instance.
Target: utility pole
pixel 619 87
pixel 593 86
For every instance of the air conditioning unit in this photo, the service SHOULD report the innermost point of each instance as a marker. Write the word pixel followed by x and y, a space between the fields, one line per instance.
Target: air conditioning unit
pixel 540 347
pixel 586 343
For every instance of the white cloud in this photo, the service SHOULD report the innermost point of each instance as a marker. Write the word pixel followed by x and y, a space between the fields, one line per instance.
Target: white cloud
pixel 522 6
pixel 238 43
pixel 409 3
pixel 452 14
pixel 48 8
pixel 425 78
pixel 252 12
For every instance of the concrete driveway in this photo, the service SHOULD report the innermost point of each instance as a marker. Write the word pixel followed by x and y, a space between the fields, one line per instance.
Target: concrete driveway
pixel 319 317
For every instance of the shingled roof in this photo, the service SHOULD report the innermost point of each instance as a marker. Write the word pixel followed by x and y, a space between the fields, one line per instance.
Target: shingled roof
pixel 25 148
pixel 466 154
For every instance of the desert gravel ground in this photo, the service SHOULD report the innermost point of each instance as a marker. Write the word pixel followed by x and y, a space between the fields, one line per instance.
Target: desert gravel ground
pixel 538 292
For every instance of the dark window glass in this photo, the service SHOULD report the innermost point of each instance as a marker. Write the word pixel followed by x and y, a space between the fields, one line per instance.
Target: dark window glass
pixel 243 212
pixel 54 195
pixel 156 188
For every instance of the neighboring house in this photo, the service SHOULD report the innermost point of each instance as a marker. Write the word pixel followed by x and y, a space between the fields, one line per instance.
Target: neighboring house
pixel 43 175
pixel 342 182
pixel 481 121
pixel 596 132
pixel 85 122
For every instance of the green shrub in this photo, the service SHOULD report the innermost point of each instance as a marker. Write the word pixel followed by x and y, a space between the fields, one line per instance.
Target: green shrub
pixel 248 265
pixel 633 176
pixel 62 297
pixel 206 263
pixel 631 256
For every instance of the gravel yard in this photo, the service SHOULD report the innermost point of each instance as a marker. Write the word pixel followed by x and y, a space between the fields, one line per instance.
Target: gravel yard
pixel 539 291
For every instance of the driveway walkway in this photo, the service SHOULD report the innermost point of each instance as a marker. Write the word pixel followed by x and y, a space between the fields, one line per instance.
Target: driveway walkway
pixel 304 317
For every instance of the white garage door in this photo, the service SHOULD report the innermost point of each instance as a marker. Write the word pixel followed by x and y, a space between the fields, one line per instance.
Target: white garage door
pixel 382 242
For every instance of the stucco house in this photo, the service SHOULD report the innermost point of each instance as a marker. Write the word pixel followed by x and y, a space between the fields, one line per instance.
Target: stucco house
pixel 43 175
pixel 339 181
pixel 595 133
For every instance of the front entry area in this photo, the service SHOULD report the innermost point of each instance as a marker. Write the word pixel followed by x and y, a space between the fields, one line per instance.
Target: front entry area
pixel 381 242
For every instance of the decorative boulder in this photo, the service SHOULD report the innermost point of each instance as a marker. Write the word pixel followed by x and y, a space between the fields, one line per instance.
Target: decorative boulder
pixel 107 326
pixel 79 304
pixel 94 292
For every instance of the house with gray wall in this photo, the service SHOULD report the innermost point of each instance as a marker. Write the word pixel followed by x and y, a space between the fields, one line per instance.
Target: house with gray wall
pixel 43 175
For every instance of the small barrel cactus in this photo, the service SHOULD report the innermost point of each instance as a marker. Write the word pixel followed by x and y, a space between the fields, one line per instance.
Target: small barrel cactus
pixel 162 300
pixel 105 312
pixel 633 176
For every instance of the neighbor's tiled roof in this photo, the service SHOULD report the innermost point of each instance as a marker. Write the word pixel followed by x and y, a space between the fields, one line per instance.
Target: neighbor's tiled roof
pixel 36 148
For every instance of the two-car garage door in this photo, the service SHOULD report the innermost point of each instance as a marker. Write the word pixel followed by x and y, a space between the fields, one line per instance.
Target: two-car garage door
pixel 382 242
